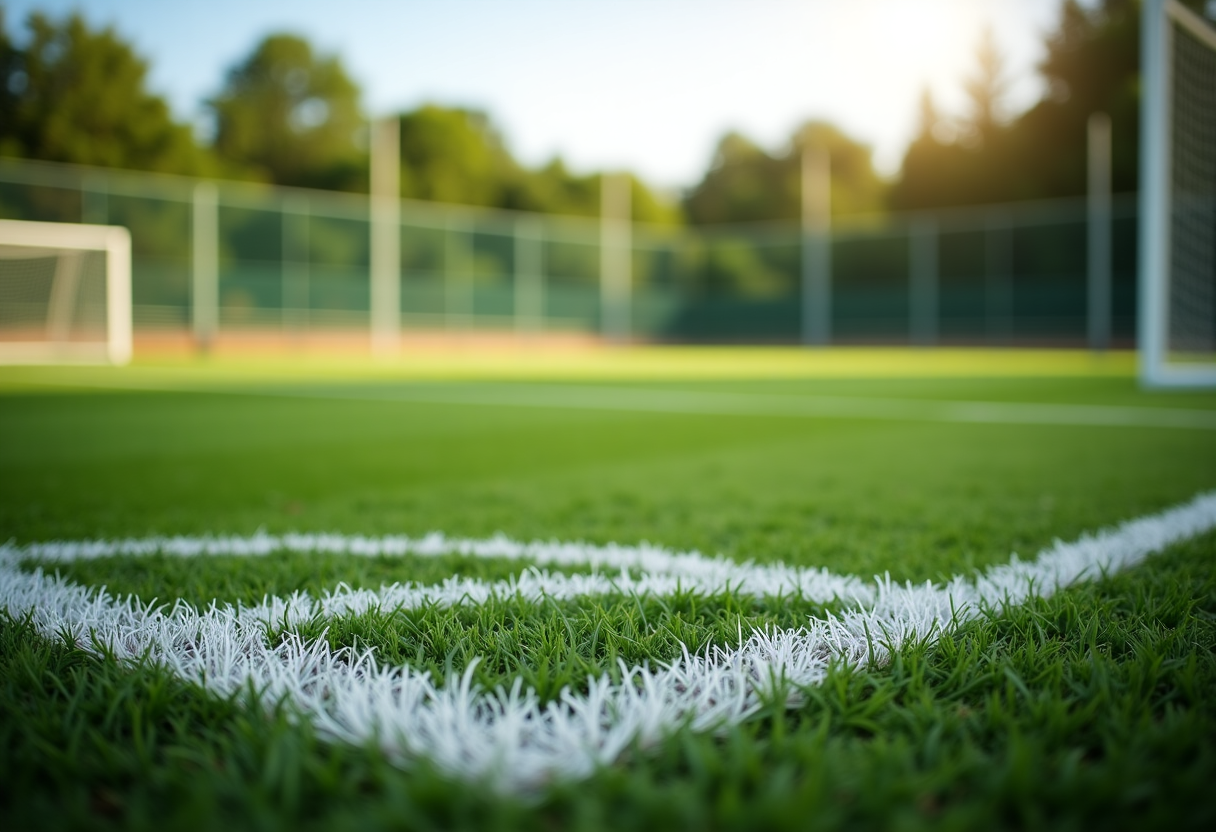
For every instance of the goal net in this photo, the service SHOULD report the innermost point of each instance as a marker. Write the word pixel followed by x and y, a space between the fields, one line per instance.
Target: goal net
pixel 65 293
pixel 1178 198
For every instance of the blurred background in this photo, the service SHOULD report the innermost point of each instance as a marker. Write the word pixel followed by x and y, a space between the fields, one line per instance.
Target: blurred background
pixel 763 172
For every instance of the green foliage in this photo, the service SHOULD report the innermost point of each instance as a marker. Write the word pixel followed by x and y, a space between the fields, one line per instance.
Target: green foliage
pixel 972 160
pixel 288 115
pixel 292 117
pixel 745 183
pixel 738 266
pixel 554 188
pixel 1092 64
pixel 71 94
pixel 456 155
pixel 986 91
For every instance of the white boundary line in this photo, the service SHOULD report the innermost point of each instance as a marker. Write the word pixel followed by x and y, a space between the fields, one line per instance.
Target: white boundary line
pixel 703 402
pixel 661 571
pixel 508 737
pixel 639 399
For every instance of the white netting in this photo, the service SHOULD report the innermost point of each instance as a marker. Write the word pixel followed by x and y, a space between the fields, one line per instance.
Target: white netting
pixel 1191 332
pixel 52 295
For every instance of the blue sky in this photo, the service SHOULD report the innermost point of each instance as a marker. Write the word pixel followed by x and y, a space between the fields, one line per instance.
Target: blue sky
pixel 648 85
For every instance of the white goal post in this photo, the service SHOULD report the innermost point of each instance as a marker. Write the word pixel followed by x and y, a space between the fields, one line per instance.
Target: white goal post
pixel 65 293
pixel 1177 315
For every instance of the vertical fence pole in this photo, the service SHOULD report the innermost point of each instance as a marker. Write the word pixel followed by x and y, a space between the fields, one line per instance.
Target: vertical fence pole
pixel 616 249
pixel 529 275
pixel 386 236
pixel 205 278
pixel 1099 233
pixel 295 263
pixel 998 289
pixel 923 282
pixel 457 277
pixel 816 247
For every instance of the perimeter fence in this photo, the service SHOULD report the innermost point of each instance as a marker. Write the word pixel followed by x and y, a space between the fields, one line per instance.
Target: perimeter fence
pixel 295 264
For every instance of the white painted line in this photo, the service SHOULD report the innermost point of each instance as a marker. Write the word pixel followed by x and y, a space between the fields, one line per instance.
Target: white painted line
pixel 700 402
pixel 508 736
pixel 644 569
pixel 804 406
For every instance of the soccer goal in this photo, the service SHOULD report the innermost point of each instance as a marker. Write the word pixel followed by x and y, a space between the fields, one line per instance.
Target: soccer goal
pixel 65 293
pixel 1177 198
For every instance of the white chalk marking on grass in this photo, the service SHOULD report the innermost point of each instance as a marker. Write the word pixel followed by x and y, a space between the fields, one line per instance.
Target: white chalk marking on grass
pixel 705 402
pixel 660 571
pixel 586 397
pixel 507 736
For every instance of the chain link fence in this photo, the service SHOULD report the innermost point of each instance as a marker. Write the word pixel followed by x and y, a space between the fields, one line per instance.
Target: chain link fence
pixel 294 264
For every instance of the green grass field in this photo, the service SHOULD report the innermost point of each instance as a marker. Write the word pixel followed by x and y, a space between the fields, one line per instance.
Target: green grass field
pixel 1092 708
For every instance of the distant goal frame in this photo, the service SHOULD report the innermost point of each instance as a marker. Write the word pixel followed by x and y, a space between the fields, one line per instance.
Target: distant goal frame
pixel 115 242
pixel 1159 17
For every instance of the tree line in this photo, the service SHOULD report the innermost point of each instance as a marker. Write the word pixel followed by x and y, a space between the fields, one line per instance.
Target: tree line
pixel 290 115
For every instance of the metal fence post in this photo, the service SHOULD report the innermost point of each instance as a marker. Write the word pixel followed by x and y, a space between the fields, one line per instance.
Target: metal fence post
pixel 295 262
pixel 998 279
pixel 816 247
pixel 923 282
pixel 204 284
pixel 529 275
pixel 1098 225
pixel 616 254
pixel 385 294
pixel 457 278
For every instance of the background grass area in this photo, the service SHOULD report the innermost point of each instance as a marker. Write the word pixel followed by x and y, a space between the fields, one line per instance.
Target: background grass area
pixel 1090 709
pixel 920 499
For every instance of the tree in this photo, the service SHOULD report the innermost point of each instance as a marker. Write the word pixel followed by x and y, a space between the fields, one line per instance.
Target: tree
pixel 938 169
pixel 1092 64
pixel 72 94
pixel 967 161
pixel 555 189
pixel 986 90
pixel 931 123
pixel 455 155
pixel 742 184
pixel 856 187
pixel 745 183
pixel 291 117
